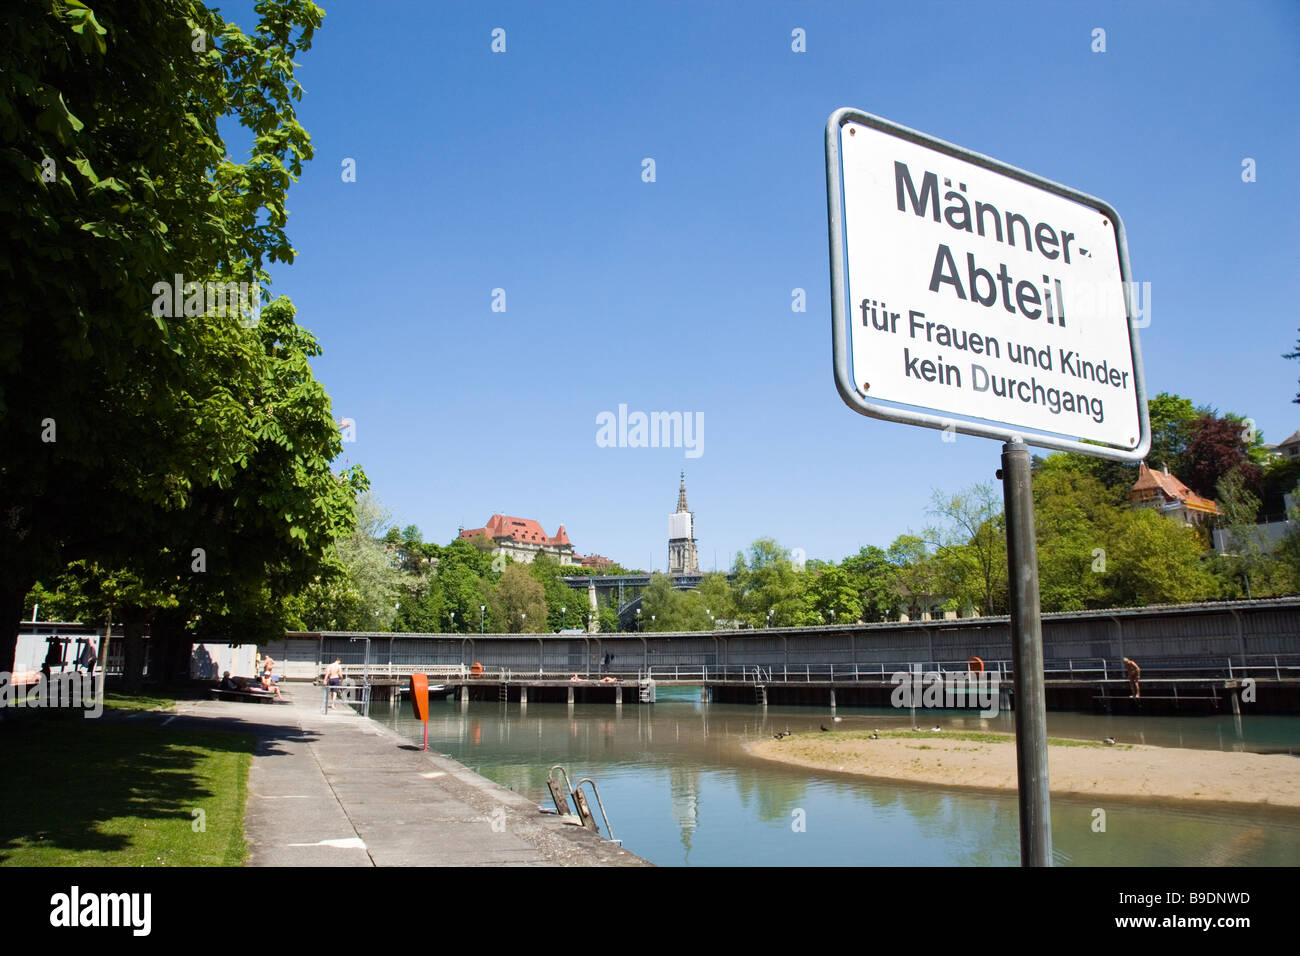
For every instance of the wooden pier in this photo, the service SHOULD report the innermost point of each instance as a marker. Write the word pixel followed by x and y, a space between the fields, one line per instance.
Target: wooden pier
pixel 1076 686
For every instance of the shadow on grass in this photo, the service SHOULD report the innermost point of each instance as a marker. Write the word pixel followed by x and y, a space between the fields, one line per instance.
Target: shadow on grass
pixel 69 783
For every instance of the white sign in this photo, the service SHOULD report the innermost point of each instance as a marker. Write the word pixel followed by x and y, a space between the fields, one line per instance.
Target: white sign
pixel 969 288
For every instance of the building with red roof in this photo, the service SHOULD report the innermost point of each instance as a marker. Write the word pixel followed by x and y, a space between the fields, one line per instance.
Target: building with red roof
pixel 1163 492
pixel 522 539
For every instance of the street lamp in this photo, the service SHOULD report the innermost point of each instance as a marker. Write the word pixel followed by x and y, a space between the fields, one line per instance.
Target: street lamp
pixel 638 619
pixel 563 609
pixel 769 616
pixel 453 622
pixel 482 613
pixel 523 616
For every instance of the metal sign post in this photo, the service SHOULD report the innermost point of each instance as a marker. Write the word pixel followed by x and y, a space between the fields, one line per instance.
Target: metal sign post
pixel 1027 658
pixel 971 296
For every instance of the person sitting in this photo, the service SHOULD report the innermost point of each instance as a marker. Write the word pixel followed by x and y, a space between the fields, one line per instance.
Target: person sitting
pixel 270 686
pixel 227 682
pixel 88 658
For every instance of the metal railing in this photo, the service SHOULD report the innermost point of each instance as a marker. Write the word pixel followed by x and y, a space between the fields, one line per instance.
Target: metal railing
pixel 1275 666
pixel 812 673
pixel 348 694
pixel 389 671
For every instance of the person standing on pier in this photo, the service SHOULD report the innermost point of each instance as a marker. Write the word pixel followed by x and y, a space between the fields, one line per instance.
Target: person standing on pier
pixel 1134 675
pixel 334 678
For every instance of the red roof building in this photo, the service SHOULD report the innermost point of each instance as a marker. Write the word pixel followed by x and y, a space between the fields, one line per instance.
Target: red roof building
pixel 523 539
pixel 1165 493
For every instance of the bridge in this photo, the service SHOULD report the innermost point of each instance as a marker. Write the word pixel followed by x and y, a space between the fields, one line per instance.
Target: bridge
pixel 628 588
pixel 1196 655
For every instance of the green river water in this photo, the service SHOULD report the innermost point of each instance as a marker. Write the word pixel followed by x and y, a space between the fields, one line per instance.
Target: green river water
pixel 680 789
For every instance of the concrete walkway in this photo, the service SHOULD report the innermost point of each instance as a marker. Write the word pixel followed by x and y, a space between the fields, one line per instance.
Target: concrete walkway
pixel 339 790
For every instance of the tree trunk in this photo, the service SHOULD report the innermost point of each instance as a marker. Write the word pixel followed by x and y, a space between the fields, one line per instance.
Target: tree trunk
pixel 179 645
pixel 171 647
pixel 103 660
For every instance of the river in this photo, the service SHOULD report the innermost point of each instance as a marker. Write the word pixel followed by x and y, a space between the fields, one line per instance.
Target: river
pixel 681 790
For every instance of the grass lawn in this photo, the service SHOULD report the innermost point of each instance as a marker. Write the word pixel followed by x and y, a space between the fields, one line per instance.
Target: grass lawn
pixel 141 701
pixel 81 792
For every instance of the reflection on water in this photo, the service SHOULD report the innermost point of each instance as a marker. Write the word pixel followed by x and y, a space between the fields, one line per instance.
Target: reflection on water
pixel 681 790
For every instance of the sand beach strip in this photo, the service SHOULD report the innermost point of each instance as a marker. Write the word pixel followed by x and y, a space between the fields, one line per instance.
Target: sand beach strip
pixel 987 761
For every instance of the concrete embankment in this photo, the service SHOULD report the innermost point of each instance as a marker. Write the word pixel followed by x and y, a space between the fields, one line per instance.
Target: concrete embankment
pixel 339 790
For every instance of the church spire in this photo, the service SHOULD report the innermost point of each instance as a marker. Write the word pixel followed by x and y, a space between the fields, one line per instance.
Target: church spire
pixel 683 557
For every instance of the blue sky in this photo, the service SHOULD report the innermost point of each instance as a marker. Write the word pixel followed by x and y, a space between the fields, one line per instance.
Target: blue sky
pixel 522 171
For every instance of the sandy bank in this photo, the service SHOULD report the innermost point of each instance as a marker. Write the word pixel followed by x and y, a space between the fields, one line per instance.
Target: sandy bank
pixel 988 761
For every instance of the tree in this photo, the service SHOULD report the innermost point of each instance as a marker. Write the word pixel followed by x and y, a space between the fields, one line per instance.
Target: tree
pixel 1244 550
pixel 1281 477
pixel 972 546
pixel 1287 556
pixel 1075 517
pixel 1218 447
pixel 665 609
pixel 608 617
pixel 1172 425
pixel 464 593
pixel 873 579
pixel 518 602
pixel 717 596
pixel 118 181
pixel 916 577
pixel 1156 560
pixel 564 606
pixel 373 577
pixel 768 588
pixel 226 562
pixel 833 594
pixel 265 532
pixel 1171 417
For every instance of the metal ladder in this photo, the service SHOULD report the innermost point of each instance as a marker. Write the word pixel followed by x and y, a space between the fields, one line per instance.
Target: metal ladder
pixel 503 692
pixel 584 815
pixel 646 691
